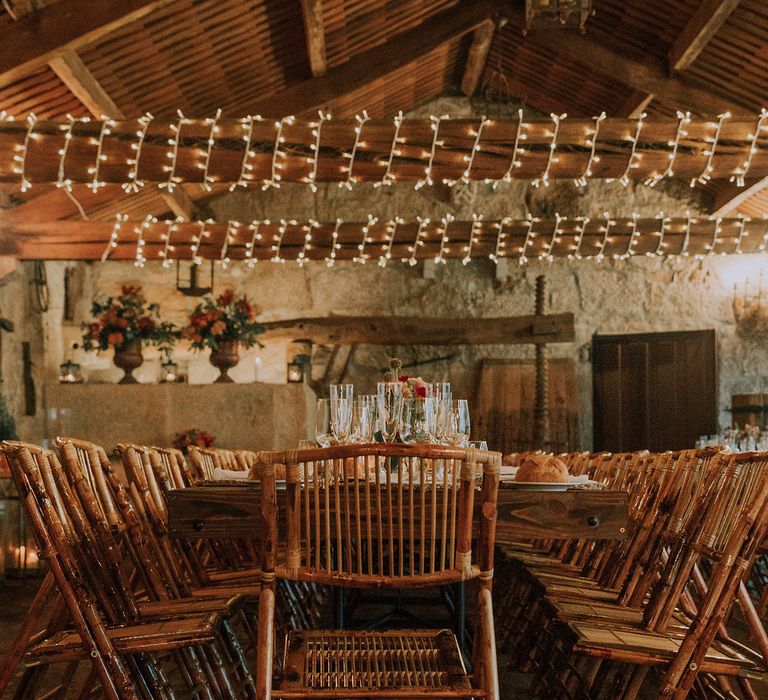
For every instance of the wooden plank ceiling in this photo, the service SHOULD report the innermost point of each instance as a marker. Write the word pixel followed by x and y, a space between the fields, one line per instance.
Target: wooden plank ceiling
pixel 380 55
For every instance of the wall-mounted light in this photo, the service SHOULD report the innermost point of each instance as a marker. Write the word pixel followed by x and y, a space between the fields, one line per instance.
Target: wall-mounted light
pixel 295 370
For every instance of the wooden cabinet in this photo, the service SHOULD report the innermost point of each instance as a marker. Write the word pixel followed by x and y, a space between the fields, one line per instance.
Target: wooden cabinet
pixel 654 390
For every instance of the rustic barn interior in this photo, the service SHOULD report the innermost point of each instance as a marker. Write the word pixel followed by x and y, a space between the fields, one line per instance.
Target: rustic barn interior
pixel 383 348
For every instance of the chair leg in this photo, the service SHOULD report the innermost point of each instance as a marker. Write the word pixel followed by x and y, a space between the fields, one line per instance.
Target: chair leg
pixel 265 650
pixel 21 642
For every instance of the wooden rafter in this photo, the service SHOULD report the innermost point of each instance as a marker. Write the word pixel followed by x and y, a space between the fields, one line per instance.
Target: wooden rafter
pixel 379 61
pixel 68 24
pixel 314 31
pixel 703 25
pixel 635 104
pixel 730 197
pixel 648 75
pixel 83 85
pixel 478 56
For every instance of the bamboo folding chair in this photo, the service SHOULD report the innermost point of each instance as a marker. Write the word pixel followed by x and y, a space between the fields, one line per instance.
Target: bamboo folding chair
pixel 373 516
pixel 669 616
pixel 106 628
pixel 158 587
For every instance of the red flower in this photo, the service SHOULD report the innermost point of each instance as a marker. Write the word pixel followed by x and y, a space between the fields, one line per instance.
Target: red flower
pixel 226 298
pixel 421 391
pixel 403 378
pixel 146 324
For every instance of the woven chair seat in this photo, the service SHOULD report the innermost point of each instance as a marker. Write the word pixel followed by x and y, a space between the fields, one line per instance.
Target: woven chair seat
pixel 397 660
pixel 161 635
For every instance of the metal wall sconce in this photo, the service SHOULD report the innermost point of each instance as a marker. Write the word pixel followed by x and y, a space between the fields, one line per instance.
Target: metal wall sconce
pixel 69 373
pixel 296 370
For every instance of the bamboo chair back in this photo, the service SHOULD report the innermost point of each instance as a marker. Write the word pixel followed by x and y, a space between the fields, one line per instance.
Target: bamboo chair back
pixel 34 472
pixel 371 515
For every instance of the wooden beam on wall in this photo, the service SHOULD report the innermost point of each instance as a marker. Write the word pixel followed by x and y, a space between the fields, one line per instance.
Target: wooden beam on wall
pixel 314 32
pixel 702 26
pixel 649 75
pixel 394 330
pixel 180 203
pixel 38 37
pixel 379 61
pixel 478 56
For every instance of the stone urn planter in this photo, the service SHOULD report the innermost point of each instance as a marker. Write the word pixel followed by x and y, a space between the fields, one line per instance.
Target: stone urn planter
pixel 225 358
pixel 128 357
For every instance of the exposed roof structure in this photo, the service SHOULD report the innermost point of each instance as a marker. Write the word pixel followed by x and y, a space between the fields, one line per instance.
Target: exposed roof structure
pixel 122 58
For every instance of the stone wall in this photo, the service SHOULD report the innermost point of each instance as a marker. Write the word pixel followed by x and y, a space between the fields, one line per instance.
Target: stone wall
pixel 638 295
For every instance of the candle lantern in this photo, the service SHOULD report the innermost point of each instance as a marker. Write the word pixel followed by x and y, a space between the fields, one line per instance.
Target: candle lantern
pixel 549 13
pixel 169 370
pixel 18 551
pixel 69 373
pixel 296 370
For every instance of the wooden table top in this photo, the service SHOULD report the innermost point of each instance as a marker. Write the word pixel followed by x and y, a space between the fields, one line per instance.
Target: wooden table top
pixel 214 509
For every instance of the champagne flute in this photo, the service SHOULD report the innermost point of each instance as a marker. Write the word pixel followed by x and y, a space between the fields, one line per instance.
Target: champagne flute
pixel 459 426
pixel 364 425
pixel 389 405
pixel 323 433
pixel 341 411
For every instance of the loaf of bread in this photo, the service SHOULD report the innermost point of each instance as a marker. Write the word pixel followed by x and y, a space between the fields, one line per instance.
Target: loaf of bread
pixel 543 469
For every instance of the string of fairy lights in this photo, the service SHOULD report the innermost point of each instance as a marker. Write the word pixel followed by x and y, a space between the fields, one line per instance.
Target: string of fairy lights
pixel 107 132
pixel 526 240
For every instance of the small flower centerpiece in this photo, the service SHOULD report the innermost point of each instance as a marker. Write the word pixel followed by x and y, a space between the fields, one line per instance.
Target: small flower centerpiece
pixel 194 437
pixel 125 323
pixel 223 324
pixel 413 387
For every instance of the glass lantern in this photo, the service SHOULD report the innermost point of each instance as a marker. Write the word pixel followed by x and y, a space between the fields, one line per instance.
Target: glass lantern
pixel 69 373
pixel 169 371
pixel 295 372
pixel 18 551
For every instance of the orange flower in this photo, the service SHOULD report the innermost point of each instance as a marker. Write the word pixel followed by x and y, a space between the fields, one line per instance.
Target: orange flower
pixel 218 328
pixel 115 338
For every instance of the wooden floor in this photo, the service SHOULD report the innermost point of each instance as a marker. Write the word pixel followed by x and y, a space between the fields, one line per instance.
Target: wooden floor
pixel 17 596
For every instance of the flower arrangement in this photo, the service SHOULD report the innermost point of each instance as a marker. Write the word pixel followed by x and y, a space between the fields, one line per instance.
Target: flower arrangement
pixel 127 318
pixel 225 318
pixel 413 387
pixel 194 437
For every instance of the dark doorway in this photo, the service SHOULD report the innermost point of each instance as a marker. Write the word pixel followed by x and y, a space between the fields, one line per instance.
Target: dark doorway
pixel 655 391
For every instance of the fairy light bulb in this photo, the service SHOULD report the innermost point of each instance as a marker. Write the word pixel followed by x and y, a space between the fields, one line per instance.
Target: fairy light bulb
pixel 740 174
pixel 742 232
pixel 135 183
pixel 418 242
pixel 314 159
pixel 106 128
pixel 543 179
pixel 361 256
pixel 229 239
pixel 281 231
pixel 529 235
pixel 390 240
pixel 246 167
pixel 278 153
pixel 579 238
pixel 308 229
pixel 171 227
pixel 330 259
pixel 517 151
pixel 140 232
pixel 211 142
pixel 630 249
pixel 114 236
pixel 687 236
pixel 20 158
pixel 443 233
pixel 683 120
pixel 198 239
pixel 173 153
pixel 592 143
pixel 250 247
pixel 500 235
pixel 633 155
pixel 435 126
pixel 550 244
pixel 606 236
pixel 474 234
pixel 706 175
pixel 361 119
pixel 388 178
pixel 476 148
pixel 62 181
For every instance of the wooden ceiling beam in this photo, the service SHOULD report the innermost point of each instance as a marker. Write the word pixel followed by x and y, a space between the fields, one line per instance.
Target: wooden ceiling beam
pixel 731 197
pixel 379 61
pixel 635 104
pixel 83 85
pixel 649 75
pixel 314 32
pixel 478 57
pixel 701 27
pixel 36 38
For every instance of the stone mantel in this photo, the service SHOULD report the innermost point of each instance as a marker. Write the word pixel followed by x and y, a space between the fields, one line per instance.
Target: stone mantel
pixel 245 416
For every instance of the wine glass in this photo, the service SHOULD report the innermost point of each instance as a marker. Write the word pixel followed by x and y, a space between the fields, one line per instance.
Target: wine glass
pixel 418 424
pixel 389 407
pixel 481 445
pixel 323 433
pixel 458 423
pixel 364 419
pixel 341 411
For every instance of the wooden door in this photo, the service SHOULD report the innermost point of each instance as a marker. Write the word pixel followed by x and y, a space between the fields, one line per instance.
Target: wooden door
pixel 503 414
pixel 655 391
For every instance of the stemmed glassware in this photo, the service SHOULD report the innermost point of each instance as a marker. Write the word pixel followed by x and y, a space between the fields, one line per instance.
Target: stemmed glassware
pixel 389 404
pixel 458 423
pixel 418 423
pixel 323 433
pixel 364 419
pixel 341 411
